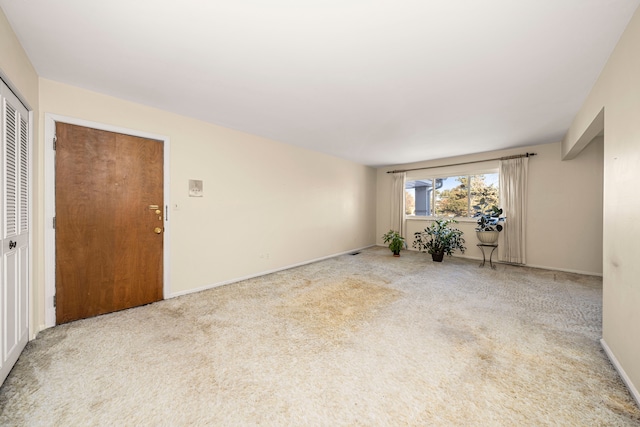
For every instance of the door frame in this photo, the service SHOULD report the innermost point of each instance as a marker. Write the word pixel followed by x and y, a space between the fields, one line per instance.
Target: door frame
pixel 50 204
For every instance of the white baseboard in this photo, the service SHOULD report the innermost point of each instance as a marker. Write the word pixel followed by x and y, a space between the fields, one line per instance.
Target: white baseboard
pixel 566 270
pixel 262 273
pixel 543 267
pixel 632 389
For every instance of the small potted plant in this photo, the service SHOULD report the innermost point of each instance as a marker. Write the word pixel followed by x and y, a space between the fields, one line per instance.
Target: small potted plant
pixel 395 241
pixel 439 239
pixel 488 220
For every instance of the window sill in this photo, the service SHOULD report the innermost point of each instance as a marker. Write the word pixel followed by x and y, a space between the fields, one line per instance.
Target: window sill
pixel 433 218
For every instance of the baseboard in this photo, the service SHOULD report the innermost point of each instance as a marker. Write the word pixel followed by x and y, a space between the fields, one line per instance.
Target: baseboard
pixel 566 270
pixel 263 273
pixel 543 267
pixel 632 389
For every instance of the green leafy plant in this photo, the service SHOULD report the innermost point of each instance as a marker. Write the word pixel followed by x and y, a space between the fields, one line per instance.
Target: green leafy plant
pixel 488 216
pixel 440 238
pixel 395 240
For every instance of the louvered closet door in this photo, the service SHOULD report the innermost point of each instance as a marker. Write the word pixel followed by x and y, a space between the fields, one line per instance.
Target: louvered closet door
pixel 14 191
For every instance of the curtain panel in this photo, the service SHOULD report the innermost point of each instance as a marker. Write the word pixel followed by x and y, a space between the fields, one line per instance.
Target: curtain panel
pixel 513 198
pixel 397 202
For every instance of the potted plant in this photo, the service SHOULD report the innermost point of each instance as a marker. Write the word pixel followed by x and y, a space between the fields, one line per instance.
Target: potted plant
pixel 488 220
pixel 439 239
pixel 395 240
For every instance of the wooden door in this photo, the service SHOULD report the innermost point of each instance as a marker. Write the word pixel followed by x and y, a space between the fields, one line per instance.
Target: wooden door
pixel 14 234
pixel 109 221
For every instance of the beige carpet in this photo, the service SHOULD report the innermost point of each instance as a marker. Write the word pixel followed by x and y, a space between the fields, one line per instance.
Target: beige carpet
pixel 362 340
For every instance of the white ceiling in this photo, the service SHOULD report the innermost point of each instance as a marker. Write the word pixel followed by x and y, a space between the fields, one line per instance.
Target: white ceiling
pixel 374 81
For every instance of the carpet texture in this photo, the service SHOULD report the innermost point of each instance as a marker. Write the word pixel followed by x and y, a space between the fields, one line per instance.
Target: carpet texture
pixel 362 340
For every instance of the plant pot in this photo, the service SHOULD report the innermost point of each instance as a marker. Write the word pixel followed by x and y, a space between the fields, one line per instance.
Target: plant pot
pixel 488 237
pixel 396 253
pixel 437 257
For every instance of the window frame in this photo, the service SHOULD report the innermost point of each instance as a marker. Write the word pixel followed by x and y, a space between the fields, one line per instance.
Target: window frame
pixel 441 173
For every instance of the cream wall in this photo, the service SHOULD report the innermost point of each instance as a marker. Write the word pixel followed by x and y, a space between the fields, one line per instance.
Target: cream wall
pixel 266 205
pixel 15 65
pixel 564 212
pixel 19 74
pixel 617 91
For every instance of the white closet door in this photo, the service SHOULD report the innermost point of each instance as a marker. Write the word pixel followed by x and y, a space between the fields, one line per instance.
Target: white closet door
pixel 14 243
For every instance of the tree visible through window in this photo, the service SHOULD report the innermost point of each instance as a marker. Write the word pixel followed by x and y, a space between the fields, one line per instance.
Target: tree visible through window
pixel 409 203
pixel 450 196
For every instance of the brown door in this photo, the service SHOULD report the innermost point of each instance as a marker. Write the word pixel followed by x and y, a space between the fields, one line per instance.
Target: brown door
pixel 109 221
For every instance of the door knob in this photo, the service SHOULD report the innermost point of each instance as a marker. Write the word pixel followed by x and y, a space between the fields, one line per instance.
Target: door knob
pixel 157 230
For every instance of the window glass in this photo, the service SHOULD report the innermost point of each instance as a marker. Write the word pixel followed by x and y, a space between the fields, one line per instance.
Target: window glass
pixel 484 186
pixel 450 196
pixel 419 197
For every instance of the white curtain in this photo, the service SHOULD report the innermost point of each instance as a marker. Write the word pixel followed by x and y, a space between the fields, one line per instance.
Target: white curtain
pixel 397 202
pixel 513 200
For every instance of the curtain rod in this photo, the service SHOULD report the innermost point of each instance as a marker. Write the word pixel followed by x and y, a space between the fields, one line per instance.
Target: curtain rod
pixel 515 156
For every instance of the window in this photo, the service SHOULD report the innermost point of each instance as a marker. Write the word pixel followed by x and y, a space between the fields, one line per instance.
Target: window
pixel 451 196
